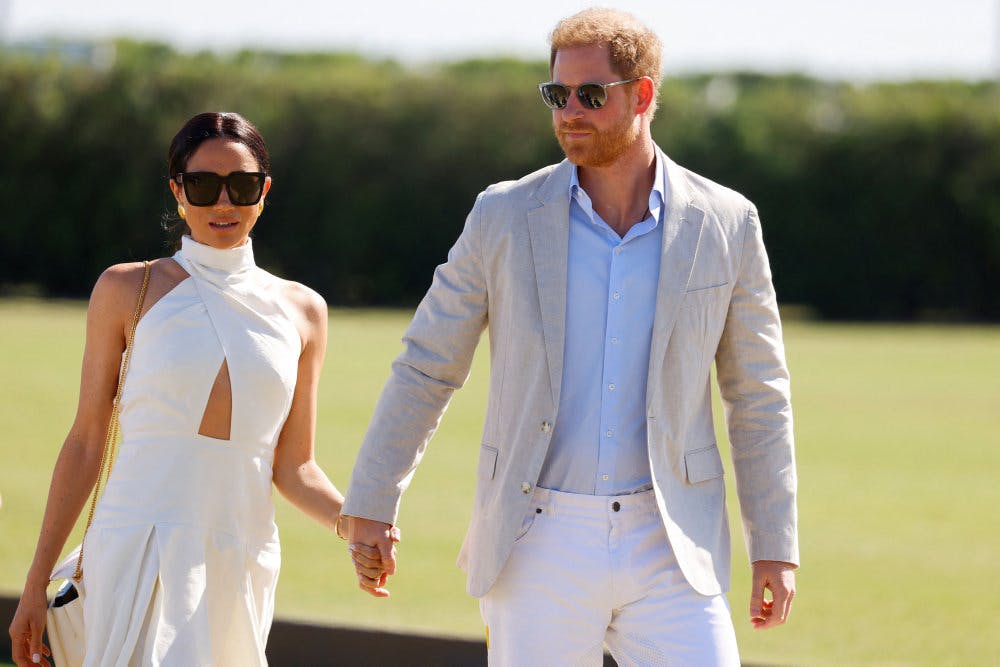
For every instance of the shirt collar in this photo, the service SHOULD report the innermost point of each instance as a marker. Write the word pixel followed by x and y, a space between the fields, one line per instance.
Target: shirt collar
pixel 657 195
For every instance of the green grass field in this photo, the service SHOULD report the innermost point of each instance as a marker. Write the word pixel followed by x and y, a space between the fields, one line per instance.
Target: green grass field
pixel 898 460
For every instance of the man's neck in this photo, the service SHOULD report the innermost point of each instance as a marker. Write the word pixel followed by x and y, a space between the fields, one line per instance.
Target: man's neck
pixel 620 191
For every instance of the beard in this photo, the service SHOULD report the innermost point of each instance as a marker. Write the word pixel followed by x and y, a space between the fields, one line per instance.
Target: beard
pixel 602 147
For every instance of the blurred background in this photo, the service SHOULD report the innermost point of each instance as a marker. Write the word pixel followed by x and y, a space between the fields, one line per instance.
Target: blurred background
pixel 867 133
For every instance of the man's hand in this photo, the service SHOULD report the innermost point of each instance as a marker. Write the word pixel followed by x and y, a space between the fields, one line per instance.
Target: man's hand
pixel 372 545
pixel 779 578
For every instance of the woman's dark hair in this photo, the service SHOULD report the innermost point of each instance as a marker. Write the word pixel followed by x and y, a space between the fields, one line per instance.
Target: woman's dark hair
pixel 215 125
pixel 198 130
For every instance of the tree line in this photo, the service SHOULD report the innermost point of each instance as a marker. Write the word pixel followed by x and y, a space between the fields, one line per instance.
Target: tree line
pixel 878 201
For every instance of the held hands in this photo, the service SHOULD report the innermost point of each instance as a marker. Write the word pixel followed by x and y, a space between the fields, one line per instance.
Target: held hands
pixel 779 578
pixel 373 550
pixel 26 629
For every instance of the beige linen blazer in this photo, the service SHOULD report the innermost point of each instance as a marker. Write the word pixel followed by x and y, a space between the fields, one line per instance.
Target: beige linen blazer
pixel 715 301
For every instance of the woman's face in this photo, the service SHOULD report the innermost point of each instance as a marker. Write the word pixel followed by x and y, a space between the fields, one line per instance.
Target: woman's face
pixel 222 224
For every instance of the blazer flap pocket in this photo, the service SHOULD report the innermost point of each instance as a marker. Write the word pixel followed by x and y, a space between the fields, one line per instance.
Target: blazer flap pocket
pixel 487 462
pixel 703 464
pixel 703 295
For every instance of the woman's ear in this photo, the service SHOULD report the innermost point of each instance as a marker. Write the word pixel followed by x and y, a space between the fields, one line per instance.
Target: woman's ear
pixel 176 189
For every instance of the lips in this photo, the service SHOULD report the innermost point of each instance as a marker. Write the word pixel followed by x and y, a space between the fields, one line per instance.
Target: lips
pixel 574 131
pixel 222 224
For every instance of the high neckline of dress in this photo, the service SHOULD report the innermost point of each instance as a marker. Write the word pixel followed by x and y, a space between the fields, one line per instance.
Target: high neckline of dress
pixel 229 260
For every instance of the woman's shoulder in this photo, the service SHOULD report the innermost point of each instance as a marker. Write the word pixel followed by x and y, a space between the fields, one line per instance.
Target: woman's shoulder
pixel 305 307
pixel 119 284
pixel 121 275
pixel 118 280
pixel 305 301
pixel 114 293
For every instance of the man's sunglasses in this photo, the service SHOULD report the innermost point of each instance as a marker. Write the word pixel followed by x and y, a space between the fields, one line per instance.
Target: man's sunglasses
pixel 202 188
pixel 591 95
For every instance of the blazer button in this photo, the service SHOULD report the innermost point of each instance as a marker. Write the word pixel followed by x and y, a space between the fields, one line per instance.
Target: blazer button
pixel 525 487
pixel 546 427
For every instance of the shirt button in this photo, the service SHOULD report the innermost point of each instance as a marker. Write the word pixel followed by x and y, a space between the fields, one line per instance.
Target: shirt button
pixel 546 427
pixel 616 296
pixel 604 477
pixel 618 251
pixel 616 506
pixel 611 387
pixel 614 340
pixel 609 433
pixel 525 487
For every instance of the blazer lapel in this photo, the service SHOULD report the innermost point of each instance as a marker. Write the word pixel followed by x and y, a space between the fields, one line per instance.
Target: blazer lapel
pixel 548 226
pixel 682 224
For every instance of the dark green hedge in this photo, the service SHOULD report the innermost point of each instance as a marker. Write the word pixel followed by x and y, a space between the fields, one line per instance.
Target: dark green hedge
pixel 878 202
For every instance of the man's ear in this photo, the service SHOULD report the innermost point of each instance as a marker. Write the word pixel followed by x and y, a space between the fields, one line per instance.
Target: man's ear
pixel 645 93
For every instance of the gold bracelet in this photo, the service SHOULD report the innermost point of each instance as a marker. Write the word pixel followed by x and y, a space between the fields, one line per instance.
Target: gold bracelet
pixel 336 526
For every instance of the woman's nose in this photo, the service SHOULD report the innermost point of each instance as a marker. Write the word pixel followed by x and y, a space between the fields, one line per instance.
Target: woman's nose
pixel 224 199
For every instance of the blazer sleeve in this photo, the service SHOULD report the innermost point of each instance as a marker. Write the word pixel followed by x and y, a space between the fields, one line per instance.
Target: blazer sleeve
pixel 438 349
pixel 754 384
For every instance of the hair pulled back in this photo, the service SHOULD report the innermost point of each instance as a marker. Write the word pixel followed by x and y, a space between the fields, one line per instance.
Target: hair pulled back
pixel 215 125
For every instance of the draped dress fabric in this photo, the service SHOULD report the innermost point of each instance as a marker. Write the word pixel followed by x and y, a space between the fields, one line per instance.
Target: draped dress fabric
pixel 182 559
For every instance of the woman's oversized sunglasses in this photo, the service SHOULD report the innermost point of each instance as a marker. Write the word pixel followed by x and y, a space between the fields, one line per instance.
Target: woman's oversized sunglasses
pixel 202 188
pixel 591 95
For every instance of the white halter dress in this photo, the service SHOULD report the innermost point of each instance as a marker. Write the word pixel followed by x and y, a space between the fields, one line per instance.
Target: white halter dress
pixel 182 559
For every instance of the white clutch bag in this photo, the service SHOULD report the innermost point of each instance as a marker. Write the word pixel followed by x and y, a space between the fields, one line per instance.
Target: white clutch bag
pixel 65 615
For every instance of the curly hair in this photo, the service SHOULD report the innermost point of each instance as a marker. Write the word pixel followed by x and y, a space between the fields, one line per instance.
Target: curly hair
pixel 635 50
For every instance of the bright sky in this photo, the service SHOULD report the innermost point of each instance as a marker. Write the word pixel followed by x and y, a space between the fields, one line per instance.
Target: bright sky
pixel 859 39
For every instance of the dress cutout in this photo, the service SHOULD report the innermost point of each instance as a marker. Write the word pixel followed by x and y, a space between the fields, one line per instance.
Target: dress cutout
pixel 182 557
pixel 217 420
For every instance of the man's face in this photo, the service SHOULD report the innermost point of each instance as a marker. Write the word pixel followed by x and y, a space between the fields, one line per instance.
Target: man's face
pixel 593 137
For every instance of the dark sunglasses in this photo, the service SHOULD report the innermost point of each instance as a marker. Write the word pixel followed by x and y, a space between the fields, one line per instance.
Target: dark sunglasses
pixel 202 188
pixel 591 95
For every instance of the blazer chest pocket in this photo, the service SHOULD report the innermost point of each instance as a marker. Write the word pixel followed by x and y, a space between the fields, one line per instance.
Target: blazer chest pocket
pixel 487 462
pixel 704 295
pixel 703 464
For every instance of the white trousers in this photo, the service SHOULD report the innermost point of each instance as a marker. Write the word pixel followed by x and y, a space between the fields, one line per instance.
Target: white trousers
pixel 590 570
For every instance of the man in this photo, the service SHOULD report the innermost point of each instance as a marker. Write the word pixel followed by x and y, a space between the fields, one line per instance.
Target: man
pixel 610 283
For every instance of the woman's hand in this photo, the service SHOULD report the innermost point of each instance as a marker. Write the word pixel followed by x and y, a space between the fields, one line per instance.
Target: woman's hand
pixel 26 630
pixel 368 565
pixel 371 565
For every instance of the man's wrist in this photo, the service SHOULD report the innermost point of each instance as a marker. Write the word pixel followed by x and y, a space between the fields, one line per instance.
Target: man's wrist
pixel 764 561
pixel 336 527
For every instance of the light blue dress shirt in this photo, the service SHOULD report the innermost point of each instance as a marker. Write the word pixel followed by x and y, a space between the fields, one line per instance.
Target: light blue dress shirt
pixel 598 442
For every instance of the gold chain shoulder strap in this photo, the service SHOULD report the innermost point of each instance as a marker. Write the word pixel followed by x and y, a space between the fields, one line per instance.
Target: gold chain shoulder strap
pixel 107 457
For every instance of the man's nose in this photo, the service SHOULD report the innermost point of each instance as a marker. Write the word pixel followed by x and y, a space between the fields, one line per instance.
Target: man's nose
pixel 574 107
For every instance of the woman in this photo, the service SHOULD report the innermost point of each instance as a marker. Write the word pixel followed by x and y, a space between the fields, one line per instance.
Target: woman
pixel 219 400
